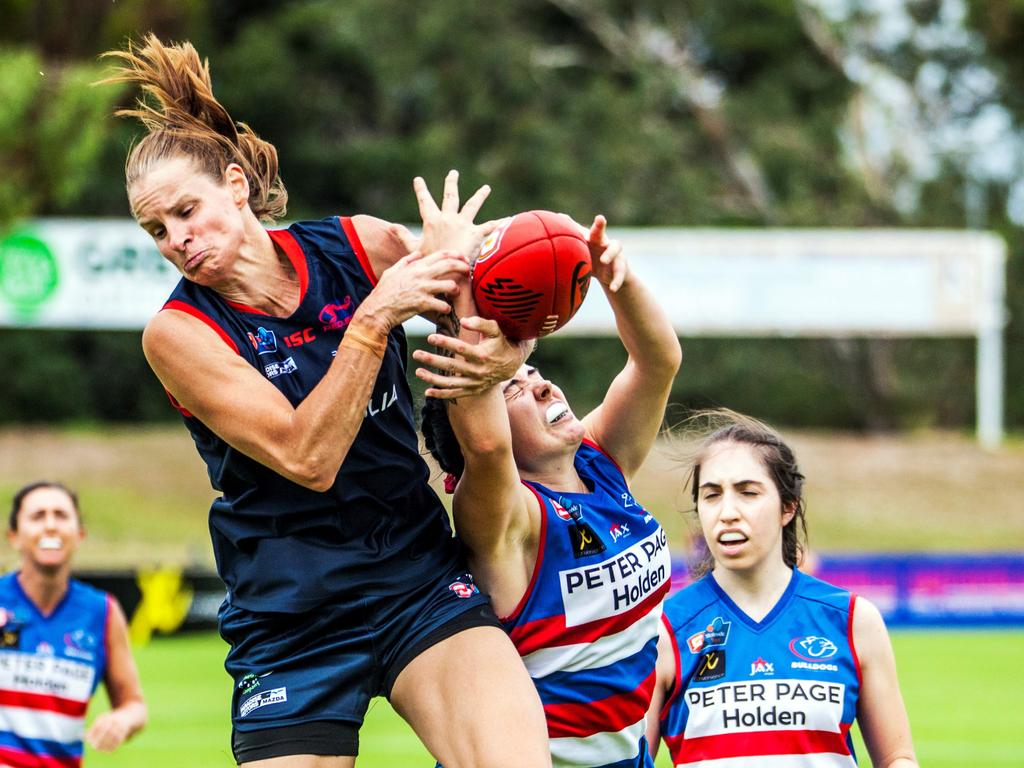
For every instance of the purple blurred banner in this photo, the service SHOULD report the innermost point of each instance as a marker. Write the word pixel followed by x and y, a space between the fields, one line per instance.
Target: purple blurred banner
pixel 915 589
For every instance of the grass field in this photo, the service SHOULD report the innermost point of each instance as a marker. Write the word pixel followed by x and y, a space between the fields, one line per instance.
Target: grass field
pixel 145 497
pixel 961 688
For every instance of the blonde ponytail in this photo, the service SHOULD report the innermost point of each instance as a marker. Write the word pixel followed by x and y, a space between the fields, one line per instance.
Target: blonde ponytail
pixel 184 119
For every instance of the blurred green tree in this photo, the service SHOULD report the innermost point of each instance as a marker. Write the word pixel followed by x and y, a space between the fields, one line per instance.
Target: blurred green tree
pixel 707 113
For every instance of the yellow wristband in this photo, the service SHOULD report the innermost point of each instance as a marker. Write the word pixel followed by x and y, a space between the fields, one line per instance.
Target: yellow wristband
pixel 353 339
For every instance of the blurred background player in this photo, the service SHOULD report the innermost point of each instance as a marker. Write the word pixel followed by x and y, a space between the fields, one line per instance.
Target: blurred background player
pixel 58 639
pixel 575 566
pixel 758 663
pixel 284 351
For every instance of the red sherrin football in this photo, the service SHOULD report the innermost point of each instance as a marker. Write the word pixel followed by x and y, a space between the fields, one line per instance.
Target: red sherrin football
pixel 532 274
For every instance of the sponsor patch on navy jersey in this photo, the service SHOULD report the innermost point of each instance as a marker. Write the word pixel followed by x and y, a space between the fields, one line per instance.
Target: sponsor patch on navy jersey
pixel 266 698
pixel 711 667
pixel 464 587
pixel 336 315
pixel 263 341
pixel 273 370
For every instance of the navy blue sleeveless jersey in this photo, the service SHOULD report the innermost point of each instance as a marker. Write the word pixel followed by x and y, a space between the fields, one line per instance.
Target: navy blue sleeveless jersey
pixel 280 546
pixel 49 669
pixel 781 691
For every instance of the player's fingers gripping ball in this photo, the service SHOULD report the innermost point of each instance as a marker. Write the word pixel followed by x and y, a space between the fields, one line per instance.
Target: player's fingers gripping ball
pixel 532 274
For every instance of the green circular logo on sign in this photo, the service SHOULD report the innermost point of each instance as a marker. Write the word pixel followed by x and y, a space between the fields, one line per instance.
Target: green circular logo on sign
pixel 28 272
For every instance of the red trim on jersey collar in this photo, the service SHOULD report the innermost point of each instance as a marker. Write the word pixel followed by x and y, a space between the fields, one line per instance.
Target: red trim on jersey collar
pixel 345 222
pixel 599 449
pixel 188 309
pixel 541 538
pixel 286 241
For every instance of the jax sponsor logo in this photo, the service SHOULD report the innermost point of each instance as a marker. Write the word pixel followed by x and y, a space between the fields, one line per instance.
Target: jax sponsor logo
pixel 618 531
pixel 617 584
pixel 80 645
pixel 263 341
pixel 336 316
pixel 813 648
pixel 264 699
pixel 273 370
pixel 44 649
pixel 762 667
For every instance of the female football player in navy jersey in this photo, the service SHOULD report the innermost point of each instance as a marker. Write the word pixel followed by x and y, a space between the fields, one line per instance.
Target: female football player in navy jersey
pixel 284 351
pixel 576 567
pixel 758 663
pixel 59 638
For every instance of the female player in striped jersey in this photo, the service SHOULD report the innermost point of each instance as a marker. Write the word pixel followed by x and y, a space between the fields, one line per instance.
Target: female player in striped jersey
pixel 761 665
pixel 58 639
pixel 575 567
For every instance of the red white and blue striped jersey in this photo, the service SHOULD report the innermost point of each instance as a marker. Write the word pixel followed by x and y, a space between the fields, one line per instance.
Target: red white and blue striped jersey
pixel 776 693
pixel 49 668
pixel 587 627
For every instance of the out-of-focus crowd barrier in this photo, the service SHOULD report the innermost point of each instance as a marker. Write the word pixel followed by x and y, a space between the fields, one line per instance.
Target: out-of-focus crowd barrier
pixel 162 600
pixel 911 589
pixel 917 589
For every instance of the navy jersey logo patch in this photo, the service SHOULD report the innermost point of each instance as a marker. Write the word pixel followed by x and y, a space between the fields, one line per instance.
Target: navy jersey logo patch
pixel 263 341
pixel 336 315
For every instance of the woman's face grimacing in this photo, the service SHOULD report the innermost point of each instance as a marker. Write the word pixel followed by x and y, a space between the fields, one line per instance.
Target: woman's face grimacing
pixel 739 507
pixel 539 416
pixel 196 221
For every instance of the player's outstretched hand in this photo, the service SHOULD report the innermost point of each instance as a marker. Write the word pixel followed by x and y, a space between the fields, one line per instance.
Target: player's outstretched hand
pixel 109 731
pixel 473 367
pixel 607 260
pixel 447 227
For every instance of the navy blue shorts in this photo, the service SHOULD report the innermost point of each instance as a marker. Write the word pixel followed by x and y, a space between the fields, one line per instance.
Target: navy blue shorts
pixel 302 682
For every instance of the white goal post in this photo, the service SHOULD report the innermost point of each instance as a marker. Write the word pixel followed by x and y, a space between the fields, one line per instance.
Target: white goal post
pixel 70 273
